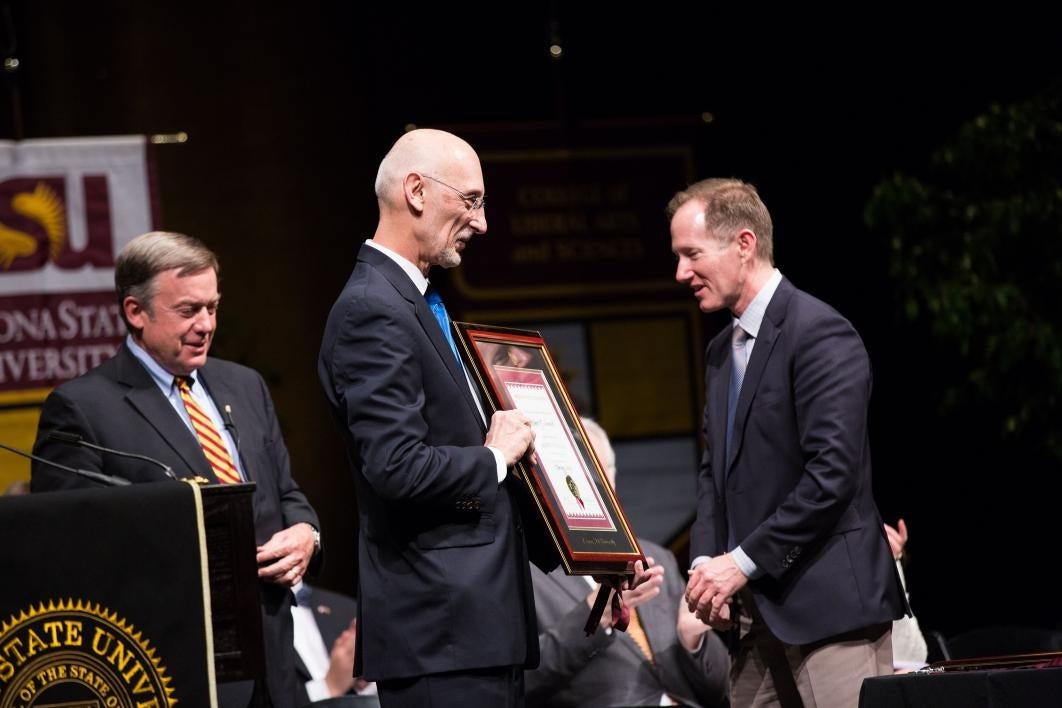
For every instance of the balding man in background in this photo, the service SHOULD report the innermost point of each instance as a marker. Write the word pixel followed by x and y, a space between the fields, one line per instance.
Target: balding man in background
pixel 446 615
pixel 675 660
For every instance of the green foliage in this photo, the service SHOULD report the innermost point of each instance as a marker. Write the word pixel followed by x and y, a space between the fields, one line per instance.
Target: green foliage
pixel 976 257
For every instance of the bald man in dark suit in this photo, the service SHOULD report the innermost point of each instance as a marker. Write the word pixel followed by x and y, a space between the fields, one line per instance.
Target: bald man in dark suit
pixel 446 615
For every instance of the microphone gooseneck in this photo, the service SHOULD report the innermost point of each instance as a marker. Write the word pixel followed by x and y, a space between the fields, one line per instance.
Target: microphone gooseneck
pixel 107 479
pixel 75 439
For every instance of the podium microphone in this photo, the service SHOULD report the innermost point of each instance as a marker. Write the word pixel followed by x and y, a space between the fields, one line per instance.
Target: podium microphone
pixel 109 480
pixel 75 439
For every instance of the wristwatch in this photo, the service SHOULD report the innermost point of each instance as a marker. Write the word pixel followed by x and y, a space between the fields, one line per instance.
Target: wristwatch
pixel 316 538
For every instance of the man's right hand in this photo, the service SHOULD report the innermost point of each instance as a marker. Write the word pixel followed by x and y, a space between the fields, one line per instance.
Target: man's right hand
pixel 897 538
pixel 651 577
pixel 510 434
pixel 340 677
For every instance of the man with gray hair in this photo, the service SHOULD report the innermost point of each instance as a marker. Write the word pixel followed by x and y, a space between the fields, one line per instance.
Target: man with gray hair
pixel 446 616
pixel 162 397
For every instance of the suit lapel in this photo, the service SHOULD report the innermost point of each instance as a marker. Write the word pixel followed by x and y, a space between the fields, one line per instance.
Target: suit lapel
pixel 766 338
pixel 145 397
pixel 401 283
pixel 718 388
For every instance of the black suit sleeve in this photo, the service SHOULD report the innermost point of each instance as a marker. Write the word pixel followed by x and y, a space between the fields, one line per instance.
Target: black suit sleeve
pixel 386 397
pixel 61 413
pixel 294 506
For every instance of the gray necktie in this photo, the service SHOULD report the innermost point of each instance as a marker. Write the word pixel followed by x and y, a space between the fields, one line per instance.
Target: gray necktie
pixel 738 361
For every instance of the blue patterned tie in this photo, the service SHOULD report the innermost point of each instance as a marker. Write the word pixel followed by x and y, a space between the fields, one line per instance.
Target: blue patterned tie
pixel 302 595
pixel 439 310
pixel 738 361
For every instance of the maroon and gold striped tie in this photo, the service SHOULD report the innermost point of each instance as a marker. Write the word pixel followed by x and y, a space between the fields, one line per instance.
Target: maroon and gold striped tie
pixel 214 448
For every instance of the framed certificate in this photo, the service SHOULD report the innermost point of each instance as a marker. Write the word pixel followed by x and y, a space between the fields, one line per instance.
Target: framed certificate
pixel 514 370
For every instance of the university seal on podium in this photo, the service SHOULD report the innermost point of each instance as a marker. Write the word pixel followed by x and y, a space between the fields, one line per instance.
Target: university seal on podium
pixel 78 654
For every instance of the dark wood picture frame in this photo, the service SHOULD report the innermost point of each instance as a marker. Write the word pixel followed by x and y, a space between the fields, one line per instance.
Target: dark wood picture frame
pixel 513 369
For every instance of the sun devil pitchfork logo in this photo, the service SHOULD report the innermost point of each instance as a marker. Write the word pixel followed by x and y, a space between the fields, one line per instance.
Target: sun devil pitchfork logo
pixel 75 653
pixel 35 226
pixel 43 207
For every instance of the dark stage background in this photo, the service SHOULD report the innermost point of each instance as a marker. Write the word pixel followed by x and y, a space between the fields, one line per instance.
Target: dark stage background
pixel 290 109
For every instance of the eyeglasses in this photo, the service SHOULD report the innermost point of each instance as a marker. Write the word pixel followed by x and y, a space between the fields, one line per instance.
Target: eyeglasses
pixel 472 202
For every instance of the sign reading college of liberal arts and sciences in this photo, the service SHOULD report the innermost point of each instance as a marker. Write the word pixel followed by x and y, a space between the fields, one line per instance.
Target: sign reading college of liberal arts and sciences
pixel 572 223
pixel 105 600
pixel 66 208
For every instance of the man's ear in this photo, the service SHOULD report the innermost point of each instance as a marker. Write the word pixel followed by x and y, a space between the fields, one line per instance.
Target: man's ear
pixel 746 239
pixel 135 314
pixel 413 191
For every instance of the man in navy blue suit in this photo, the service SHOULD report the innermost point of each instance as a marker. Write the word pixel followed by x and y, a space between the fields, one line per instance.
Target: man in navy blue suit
pixel 788 543
pixel 445 613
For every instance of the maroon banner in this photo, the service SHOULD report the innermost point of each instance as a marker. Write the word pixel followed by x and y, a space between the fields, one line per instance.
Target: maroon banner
pixel 48 338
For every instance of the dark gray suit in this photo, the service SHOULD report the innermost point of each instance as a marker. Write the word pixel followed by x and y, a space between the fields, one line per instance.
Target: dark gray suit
pixel 610 670
pixel 443 580
pixel 118 405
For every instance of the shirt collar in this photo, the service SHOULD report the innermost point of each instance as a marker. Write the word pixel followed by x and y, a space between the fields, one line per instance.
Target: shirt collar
pixel 752 317
pixel 411 270
pixel 160 376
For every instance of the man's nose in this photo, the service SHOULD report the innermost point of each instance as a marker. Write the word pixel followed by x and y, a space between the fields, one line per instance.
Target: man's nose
pixel 682 271
pixel 205 321
pixel 479 220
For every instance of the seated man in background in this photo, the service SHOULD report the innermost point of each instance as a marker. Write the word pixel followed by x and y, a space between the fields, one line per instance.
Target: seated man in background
pixel 666 657
pixel 325 632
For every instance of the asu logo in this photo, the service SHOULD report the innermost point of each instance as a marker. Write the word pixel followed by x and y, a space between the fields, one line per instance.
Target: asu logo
pixel 35 227
pixel 44 207
pixel 78 654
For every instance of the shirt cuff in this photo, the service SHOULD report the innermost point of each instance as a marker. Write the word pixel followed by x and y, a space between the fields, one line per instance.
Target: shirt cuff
pixel 499 462
pixel 699 560
pixel 745 564
pixel 317 690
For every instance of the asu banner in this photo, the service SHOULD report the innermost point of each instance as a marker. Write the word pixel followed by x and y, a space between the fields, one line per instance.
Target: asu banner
pixel 66 208
pixel 105 602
